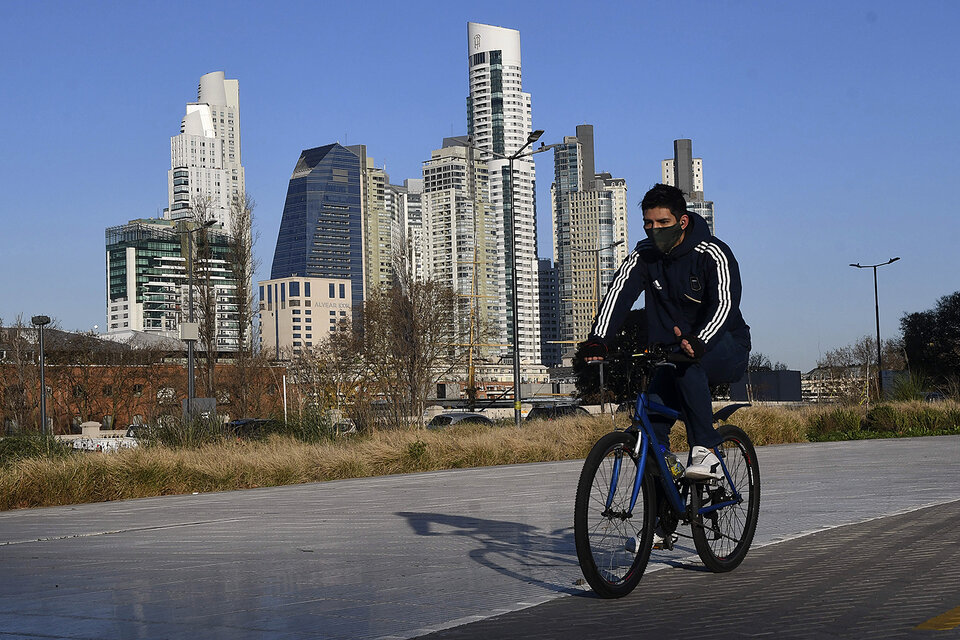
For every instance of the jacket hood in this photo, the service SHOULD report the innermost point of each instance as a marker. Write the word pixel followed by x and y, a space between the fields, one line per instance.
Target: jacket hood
pixel 695 233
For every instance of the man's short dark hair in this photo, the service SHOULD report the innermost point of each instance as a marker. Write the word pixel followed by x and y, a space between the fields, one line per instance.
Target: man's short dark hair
pixel 664 195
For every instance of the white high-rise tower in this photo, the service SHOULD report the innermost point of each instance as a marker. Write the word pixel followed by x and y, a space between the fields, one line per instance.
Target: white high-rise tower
pixel 205 157
pixel 499 119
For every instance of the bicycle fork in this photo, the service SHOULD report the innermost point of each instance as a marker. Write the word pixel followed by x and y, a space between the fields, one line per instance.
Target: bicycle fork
pixel 615 478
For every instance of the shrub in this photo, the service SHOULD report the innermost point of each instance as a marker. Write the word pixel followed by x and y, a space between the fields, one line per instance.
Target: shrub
pixel 26 446
pixel 312 425
pixel 883 417
pixel 834 424
pixel 908 387
pixel 177 433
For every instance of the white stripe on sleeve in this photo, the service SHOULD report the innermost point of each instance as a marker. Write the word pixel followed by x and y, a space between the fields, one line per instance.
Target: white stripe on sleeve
pixel 723 290
pixel 616 288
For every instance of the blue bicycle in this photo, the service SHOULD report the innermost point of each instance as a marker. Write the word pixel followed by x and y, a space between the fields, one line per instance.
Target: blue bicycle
pixel 619 507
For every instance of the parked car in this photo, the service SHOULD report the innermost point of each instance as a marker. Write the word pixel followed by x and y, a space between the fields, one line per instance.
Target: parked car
pixel 552 412
pixel 251 427
pixel 934 396
pixel 451 418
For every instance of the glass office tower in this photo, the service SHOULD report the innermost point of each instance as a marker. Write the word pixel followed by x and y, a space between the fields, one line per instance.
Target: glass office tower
pixel 321 232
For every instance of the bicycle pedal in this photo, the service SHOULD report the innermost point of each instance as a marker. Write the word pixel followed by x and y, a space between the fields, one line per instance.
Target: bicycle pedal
pixel 667 543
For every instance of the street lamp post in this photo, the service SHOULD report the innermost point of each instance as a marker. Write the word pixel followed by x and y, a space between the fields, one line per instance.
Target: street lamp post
pixel 191 332
pixel 876 304
pixel 42 321
pixel 519 153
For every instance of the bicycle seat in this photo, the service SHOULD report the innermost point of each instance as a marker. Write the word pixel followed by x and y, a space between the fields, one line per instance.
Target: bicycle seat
pixel 728 410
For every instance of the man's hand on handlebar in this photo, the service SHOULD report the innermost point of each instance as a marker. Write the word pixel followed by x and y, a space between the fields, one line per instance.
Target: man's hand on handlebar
pixel 593 351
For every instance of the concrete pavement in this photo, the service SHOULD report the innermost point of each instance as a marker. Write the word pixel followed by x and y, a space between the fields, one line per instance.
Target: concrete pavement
pixel 392 557
pixel 891 577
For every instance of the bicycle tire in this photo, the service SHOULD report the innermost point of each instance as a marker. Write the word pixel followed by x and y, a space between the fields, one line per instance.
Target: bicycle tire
pixel 602 534
pixel 723 538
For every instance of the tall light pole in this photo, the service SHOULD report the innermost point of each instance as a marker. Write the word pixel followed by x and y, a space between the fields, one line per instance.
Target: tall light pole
pixel 519 153
pixel 42 321
pixel 876 303
pixel 189 333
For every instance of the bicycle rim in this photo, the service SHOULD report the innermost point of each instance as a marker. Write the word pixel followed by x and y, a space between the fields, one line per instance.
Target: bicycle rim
pixel 613 546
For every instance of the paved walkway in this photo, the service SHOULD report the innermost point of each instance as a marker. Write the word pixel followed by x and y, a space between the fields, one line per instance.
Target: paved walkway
pixel 393 557
pixel 893 577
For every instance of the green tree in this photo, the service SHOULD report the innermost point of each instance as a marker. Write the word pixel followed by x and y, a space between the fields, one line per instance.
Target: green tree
pixel 931 339
pixel 622 375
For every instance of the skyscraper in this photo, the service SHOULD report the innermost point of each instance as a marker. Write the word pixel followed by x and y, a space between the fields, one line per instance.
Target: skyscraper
pixel 589 218
pixel 499 120
pixel 550 345
pixel 406 205
pixel 147 260
pixel 321 230
pixel 205 161
pixel 685 172
pixel 380 233
pixel 460 236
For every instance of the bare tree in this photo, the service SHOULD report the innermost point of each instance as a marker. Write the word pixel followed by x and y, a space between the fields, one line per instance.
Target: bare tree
pixel 241 238
pixel 205 298
pixel 760 361
pixel 854 366
pixel 408 330
pixel 20 374
pixel 335 377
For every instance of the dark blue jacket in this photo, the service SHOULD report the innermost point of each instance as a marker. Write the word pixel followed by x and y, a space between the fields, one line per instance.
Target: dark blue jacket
pixel 695 287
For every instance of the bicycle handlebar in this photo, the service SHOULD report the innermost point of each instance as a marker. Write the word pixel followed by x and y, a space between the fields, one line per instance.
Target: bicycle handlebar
pixel 669 352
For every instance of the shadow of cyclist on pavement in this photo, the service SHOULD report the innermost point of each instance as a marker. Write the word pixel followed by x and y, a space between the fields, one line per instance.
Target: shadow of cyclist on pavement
pixel 520 551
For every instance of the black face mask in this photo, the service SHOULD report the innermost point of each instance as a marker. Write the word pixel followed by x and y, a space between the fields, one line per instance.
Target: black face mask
pixel 665 238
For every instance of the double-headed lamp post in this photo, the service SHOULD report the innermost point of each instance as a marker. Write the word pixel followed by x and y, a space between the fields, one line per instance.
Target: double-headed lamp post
pixel 876 304
pixel 189 333
pixel 519 153
pixel 42 321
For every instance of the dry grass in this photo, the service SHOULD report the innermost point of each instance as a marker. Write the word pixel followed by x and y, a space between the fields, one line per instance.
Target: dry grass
pixel 152 471
pixel 157 470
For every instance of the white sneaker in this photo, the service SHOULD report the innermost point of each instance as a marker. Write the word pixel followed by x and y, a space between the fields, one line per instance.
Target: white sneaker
pixel 663 541
pixel 660 541
pixel 704 465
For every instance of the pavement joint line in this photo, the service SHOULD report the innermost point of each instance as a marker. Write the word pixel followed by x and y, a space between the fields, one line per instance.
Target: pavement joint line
pixel 94 534
pixel 686 561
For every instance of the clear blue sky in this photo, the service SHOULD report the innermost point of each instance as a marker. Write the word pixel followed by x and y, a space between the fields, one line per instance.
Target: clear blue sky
pixel 828 130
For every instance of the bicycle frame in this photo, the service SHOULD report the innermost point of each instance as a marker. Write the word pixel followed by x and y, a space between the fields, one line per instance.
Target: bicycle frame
pixel 647 442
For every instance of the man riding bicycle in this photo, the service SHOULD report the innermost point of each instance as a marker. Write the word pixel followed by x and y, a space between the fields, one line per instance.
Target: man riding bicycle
pixel 692 282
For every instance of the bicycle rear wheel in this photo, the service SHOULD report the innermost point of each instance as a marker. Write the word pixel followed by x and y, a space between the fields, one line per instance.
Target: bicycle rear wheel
pixel 723 536
pixel 613 546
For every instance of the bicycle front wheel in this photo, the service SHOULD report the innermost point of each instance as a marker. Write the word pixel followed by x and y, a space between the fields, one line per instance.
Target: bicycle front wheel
pixel 723 535
pixel 613 543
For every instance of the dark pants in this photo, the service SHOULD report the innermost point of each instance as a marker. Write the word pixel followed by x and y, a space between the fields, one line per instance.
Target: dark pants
pixel 686 388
